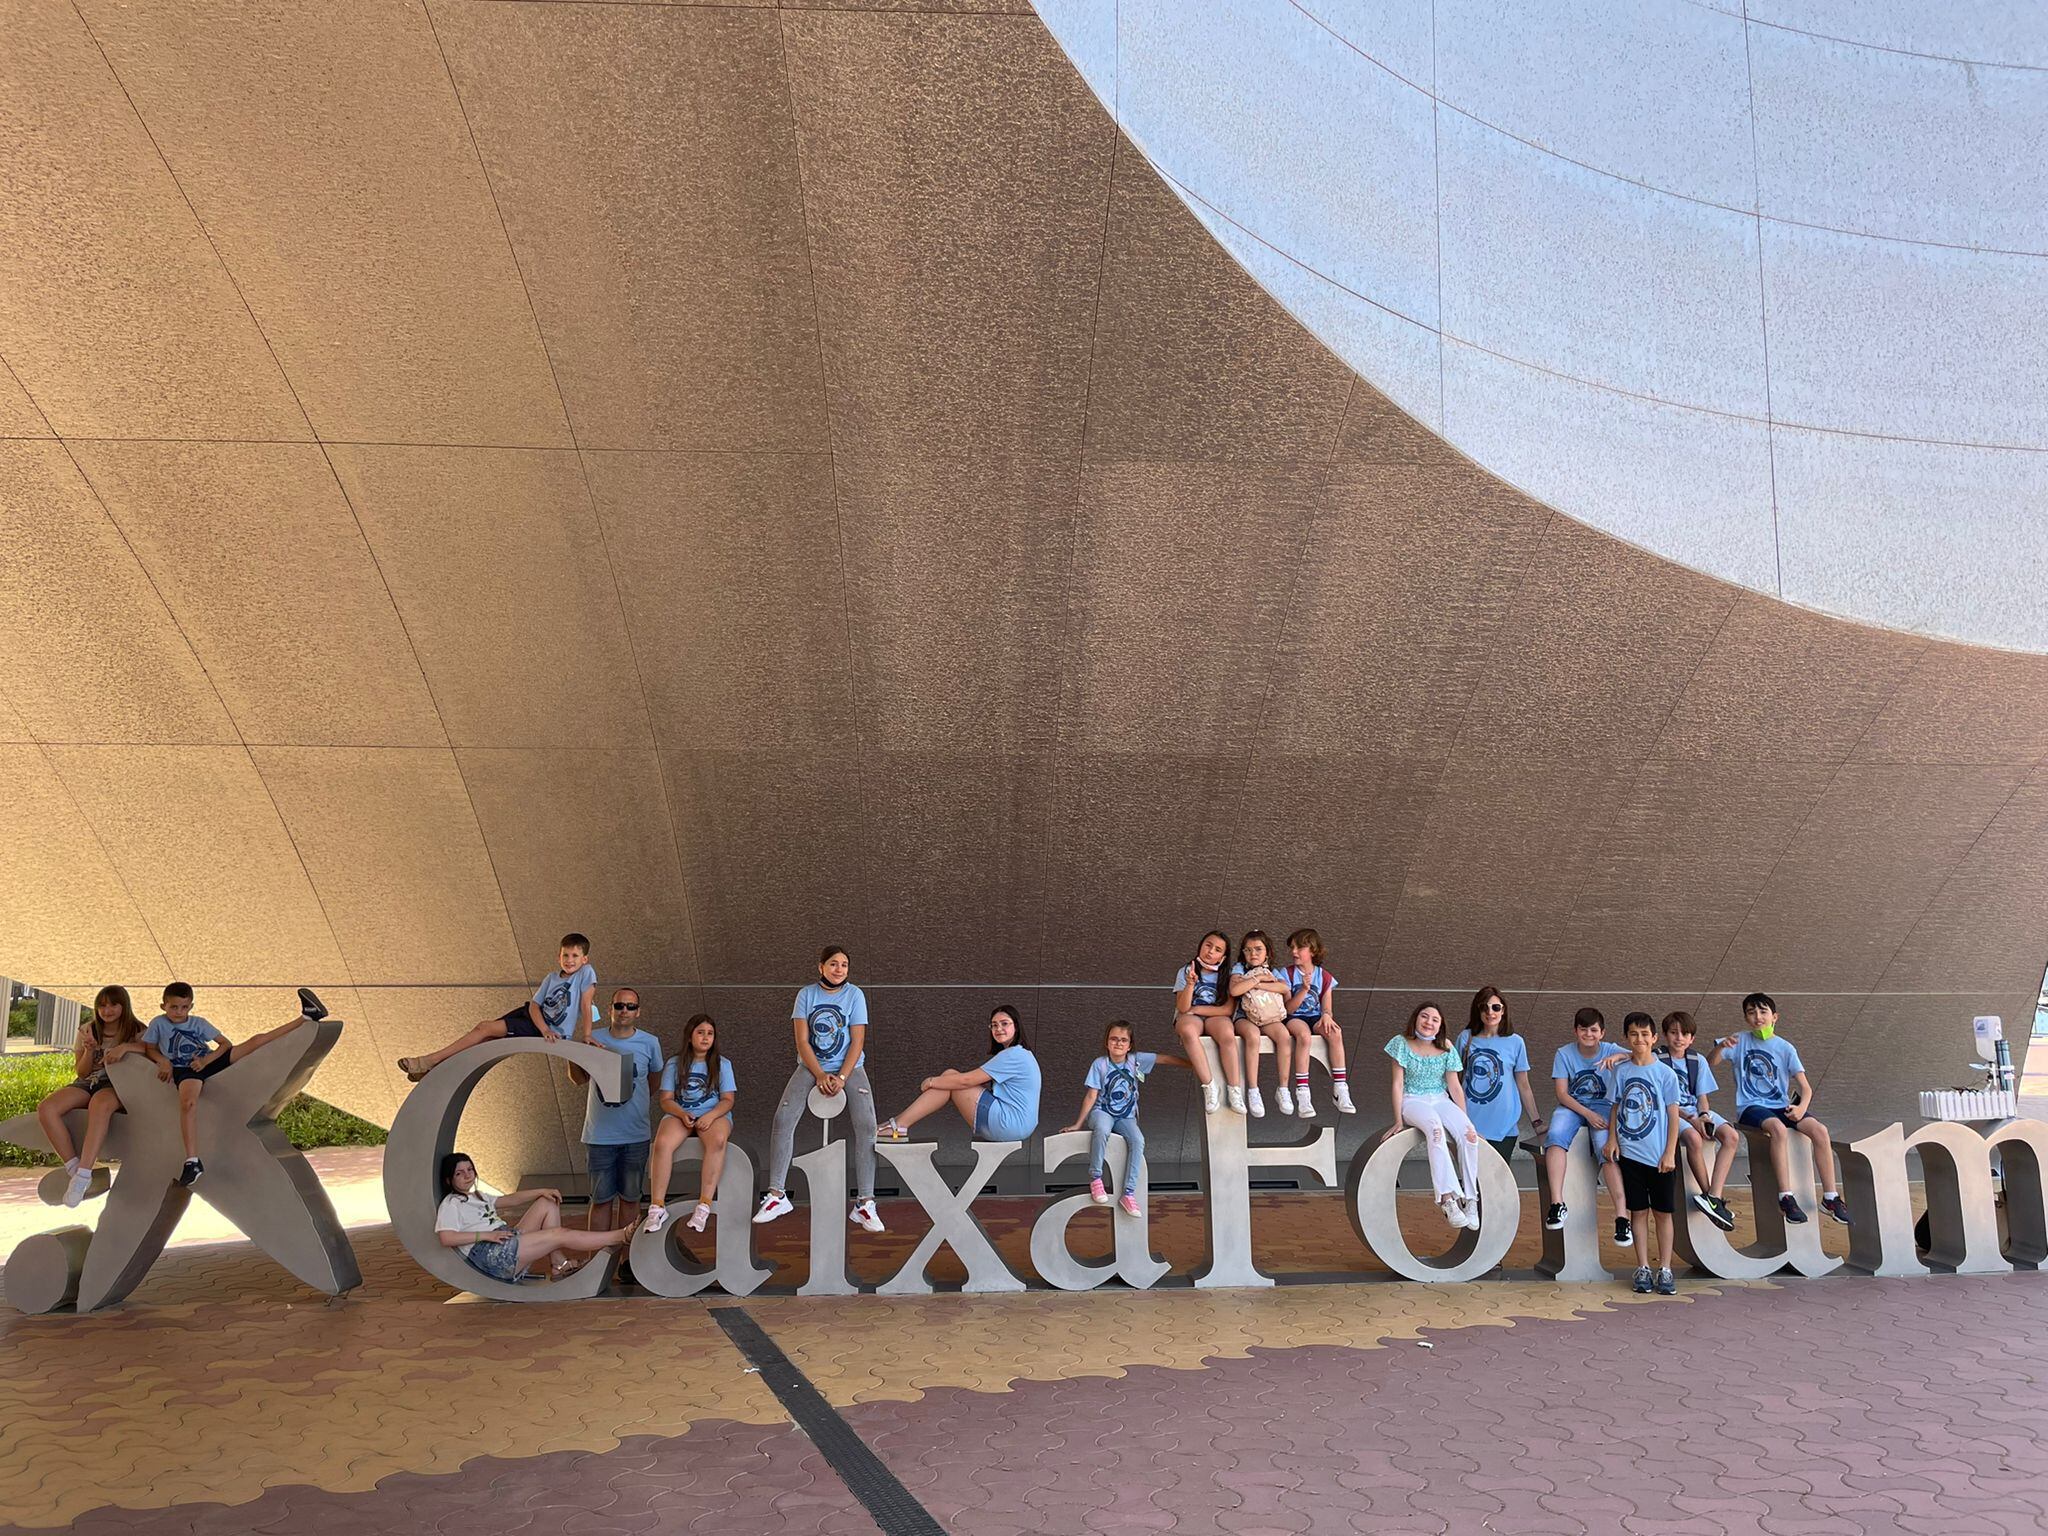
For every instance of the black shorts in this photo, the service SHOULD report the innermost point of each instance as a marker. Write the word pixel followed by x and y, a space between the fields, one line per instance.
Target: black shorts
pixel 519 1024
pixel 92 1082
pixel 1643 1188
pixel 201 1074
pixel 1506 1147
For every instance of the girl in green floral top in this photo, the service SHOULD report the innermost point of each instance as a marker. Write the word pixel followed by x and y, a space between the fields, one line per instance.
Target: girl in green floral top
pixel 1429 1096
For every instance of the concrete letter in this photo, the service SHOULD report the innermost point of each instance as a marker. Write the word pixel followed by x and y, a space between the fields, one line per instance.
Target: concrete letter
pixel 952 1218
pixel 1375 1169
pixel 1227 1160
pixel 663 1262
pixel 1133 1261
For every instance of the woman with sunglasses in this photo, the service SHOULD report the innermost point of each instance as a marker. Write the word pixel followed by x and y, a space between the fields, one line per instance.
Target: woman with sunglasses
pixel 1496 1073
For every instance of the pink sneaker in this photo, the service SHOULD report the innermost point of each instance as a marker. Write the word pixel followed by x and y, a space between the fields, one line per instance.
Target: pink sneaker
pixel 698 1218
pixel 1129 1206
pixel 1097 1193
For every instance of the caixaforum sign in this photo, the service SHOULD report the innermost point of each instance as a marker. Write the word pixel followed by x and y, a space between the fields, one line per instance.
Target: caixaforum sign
pixel 271 1194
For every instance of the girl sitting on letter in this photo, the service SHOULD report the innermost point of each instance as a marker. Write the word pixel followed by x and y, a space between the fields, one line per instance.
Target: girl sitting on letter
pixel 1111 1104
pixel 1428 1096
pixel 696 1100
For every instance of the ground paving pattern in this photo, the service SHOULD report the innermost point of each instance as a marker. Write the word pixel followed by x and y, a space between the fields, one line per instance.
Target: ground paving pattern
pixel 224 1399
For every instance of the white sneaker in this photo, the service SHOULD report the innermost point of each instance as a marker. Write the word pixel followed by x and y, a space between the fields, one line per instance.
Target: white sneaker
pixel 699 1217
pixel 76 1186
pixel 1212 1097
pixel 1470 1208
pixel 657 1217
pixel 1304 1106
pixel 1254 1105
pixel 772 1206
pixel 1344 1104
pixel 863 1216
pixel 1284 1097
pixel 1237 1100
pixel 1453 1212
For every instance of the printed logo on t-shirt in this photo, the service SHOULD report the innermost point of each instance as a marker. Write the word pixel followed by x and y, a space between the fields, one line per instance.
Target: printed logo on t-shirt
pixel 1636 1114
pixel 1761 1077
pixel 697 1094
pixel 1311 1005
pixel 553 1001
pixel 829 1033
pixel 1120 1092
pixel 1588 1087
pixel 1206 983
pixel 1484 1074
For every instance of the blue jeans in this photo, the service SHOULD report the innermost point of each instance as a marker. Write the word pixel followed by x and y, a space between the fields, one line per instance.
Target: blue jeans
pixel 1099 1127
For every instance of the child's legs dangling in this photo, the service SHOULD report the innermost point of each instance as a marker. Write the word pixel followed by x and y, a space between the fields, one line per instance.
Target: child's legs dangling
pixel 1099 1126
pixel 669 1137
pixel 1248 1037
pixel 50 1116
pixel 1190 1028
pixel 188 1115
pixel 1225 1035
pixel 714 1137
pixel 1425 1115
pixel 782 1135
pixel 860 1109
pixel 1134 1151
pixel 99 1118
pixel 1456 1124
pixel 1283 1052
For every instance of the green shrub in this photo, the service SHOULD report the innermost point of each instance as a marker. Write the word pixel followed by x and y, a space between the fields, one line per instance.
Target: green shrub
pixel 21 1020
pixel 306 1121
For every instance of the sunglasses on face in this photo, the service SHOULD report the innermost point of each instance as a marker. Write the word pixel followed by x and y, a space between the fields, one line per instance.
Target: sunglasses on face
pixel 625 1007
pixel 1493 1007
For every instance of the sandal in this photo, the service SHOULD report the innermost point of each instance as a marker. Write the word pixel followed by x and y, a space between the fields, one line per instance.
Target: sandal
pixel 890 1131
pixel 410 1066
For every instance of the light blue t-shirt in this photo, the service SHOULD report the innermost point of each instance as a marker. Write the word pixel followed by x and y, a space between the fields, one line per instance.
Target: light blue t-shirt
pixel 624 1123
pixel 1643 1097
pixel 1117 1087
pixel 1209 987
pixel 1693 1081
pixel 695 1094
pixel 182 1044
pixel 1422 1076
pixel 1320 984
pixel 1764 1070
pixel 560 999
pixel 1014 1081
pixel 1492 1096
pixel 1582 1076
pixel 831 1014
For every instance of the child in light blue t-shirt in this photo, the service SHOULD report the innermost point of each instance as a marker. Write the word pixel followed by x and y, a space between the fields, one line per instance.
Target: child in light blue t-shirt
pixel 1109 1105
pixel 1582 1101
pixel 562 1007
pixel 696 1097
pixel 999 1098
pixel 1698 1122
pixel 1773 1095
pixel 1644 1147
pixel 830 1024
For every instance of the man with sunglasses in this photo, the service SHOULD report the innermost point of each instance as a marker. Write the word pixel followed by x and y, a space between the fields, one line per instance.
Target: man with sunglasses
pixel 615 1135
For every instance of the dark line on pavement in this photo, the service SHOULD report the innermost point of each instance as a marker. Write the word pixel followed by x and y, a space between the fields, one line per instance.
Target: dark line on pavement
pixel 894 1507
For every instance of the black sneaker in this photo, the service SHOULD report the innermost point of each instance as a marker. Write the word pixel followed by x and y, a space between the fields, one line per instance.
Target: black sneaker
pixel 1720 1215
pixel 1836 1207
pixel 1704 1204
pixel 189 1174
pixel 1791 1209
pixel 1644 1281
pixel 310 1005
pixel 1553 1217
pixel 1667 1283
pixel 1624 1232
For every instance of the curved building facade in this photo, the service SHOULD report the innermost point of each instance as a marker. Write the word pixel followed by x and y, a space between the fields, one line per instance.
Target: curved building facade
pixel 728 480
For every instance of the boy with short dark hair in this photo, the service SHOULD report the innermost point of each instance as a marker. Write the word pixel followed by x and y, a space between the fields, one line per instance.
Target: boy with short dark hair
pixel 1582 1100
pixel 561 1007
pixel 1698 1123
pixel 188 1050
pixel 1772 1092
pixel 1644 1147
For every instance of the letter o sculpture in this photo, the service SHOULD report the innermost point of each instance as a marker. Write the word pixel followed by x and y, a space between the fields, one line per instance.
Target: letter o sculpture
pixel 1369 1198
pixel 423 1132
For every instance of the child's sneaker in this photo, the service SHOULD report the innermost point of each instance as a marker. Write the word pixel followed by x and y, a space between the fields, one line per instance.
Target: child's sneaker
pixel 310 1006
pixel 697 1220
pixel 189 1174
pixel 1212 1097
pixel 1645 1281
pixel 1553 1217
pixel 1453 1212
pixel 76 1186
pixel 1303 1105
pixel 1237 1101
pixel 1836 1207
pixel 1342 1093
pixel 863 1216
pixel 1097 1193
pixel 772 1206
pixel 1129 1206
pixel 1721 1216
pixel 657 1217
pixel 1704 1204
pixel 1470 1206
pixel 1254 1104
pixel 1624 1232
pixel 1667 1283
pixel 1284 1097
pixel 1790 1208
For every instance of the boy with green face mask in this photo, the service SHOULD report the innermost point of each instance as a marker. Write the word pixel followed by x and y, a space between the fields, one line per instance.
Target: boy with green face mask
pixel 1772 1093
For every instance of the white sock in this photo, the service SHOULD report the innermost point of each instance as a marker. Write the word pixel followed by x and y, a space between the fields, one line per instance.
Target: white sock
pixel 71 1165
pixel 1827 1194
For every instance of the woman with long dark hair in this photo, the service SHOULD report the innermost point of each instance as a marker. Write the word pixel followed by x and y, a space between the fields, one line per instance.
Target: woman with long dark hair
pixel 999 1098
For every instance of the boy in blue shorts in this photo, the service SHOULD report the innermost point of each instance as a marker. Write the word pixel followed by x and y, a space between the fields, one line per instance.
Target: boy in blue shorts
pixel 188 1050
pixel 1644 1148
pixel 1582 1100
pixel 615 1135
pixel 561 1008
pixel 1699 1124
pixel 1771 1091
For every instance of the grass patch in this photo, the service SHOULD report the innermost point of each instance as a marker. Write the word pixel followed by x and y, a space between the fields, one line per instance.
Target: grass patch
pixel 307 1122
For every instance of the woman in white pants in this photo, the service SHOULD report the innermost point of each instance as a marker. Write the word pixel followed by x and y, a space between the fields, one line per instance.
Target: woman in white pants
pixel 1429 1096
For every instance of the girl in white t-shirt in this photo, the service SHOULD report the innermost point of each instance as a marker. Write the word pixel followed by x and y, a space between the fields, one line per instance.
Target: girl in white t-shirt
pixel 475 1225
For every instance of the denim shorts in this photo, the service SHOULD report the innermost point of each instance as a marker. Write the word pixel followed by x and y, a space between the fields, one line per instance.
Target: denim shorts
pixel 617 1171
pixel 1564 1129
pixel 498 1260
